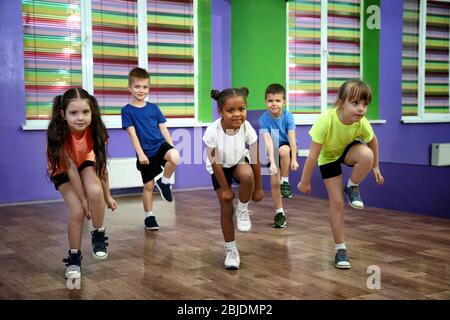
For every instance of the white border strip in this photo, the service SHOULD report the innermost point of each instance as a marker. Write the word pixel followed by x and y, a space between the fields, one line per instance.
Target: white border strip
pixel 87 57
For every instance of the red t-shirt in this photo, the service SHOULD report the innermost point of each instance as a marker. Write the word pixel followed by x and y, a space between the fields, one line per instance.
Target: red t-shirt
pixel 79 149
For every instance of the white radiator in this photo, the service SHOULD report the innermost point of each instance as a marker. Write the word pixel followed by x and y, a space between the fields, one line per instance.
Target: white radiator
pixel 123 174
pixel 440 154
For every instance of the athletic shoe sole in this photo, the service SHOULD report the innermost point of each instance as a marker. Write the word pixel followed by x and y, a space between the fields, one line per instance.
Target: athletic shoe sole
pixel 72 275
pixel 100 258
pixel 353 206
pixel 342 267
pixel 280 227
pixel 231 268
pixel 151 228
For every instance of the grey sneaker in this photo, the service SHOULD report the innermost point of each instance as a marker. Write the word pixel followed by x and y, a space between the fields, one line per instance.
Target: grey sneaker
pixel 354 198
pixel 279 220
pixel 341 260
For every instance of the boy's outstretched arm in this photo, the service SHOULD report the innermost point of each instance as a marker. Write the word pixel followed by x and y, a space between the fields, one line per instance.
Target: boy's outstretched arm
pixel 373 145
pixel 305 183
pixel 226 193
pixel 269 148
pixel 137 145
pixel 165 133
pixel 256 167
pixel 293 147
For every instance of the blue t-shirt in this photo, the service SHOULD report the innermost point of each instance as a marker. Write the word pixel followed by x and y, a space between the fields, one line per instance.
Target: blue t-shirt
pixel 277 127
pixel 146 122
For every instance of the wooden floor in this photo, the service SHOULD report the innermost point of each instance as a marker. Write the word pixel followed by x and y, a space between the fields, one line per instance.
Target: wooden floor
pixel 184 259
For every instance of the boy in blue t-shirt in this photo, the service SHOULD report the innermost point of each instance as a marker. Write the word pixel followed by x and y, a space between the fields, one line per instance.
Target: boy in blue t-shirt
pixel 278 129
pixel 151 140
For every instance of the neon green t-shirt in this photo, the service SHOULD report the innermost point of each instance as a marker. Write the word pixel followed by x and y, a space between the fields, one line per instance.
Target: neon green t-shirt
pixel 334 136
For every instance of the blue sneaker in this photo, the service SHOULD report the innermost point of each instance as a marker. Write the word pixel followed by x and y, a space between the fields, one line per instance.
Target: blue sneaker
pixel 150 223
pixel 341 260
pixel 165 190
pixel 354 198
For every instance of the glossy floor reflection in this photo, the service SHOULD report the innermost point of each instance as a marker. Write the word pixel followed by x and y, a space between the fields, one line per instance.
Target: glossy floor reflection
pixel 184 259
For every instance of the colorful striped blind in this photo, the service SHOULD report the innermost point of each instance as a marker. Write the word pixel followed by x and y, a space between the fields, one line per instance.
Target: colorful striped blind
pixel 343 44
pixel 304 56
pixel 437 58
pixel 52 51
pixel 115 51
pixel 410 57
pixel 171 56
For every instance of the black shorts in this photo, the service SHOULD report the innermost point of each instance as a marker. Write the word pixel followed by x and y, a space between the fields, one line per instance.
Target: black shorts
pixel 228 172
pixel 155 167
pixel 333 169
pixel 279 158
pixel 62 178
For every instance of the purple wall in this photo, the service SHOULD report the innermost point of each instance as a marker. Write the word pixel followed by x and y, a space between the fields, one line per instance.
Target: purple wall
pixel 411 184
pixel 22 165
pixel 221 33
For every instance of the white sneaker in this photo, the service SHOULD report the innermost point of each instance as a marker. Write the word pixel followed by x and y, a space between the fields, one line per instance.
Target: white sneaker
pixel 232 260
pixel 243 221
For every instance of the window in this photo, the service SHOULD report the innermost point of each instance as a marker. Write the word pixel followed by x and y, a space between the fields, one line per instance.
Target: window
pixel 52 53
pixel 94 43
pixel 425 61
pixel 323 52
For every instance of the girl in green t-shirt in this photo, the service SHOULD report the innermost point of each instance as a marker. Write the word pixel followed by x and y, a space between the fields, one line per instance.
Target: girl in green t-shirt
pixel 336 138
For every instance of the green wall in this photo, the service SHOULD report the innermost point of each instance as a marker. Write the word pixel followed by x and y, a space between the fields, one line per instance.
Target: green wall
pixel 204 61
pixel 371 58
pixel 258 46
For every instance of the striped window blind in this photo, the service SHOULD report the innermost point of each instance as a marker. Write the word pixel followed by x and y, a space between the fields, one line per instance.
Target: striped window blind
pixel 304 56
pixel 343 44
pixel 437 58
pixel 52 51
pixel 410 57
pixel 115 51
pixel 171 56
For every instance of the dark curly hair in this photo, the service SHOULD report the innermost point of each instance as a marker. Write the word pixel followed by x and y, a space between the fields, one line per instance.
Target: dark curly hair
pixel 222 96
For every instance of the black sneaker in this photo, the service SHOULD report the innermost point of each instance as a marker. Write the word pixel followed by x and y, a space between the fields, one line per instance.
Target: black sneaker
pixel 165 190
pixel 99 244
pixel 73 265
pixel 341 260
pixel 150 223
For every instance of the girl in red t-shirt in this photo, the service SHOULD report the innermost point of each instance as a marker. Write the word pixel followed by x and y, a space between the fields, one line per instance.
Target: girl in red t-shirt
pixel 76 153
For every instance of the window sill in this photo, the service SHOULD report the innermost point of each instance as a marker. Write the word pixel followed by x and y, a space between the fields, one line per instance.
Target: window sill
pixel 114 124
pixel 412 120
pixel 305 122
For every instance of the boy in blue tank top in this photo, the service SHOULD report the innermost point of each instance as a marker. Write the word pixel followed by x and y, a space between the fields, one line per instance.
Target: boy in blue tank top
pixel 278 129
